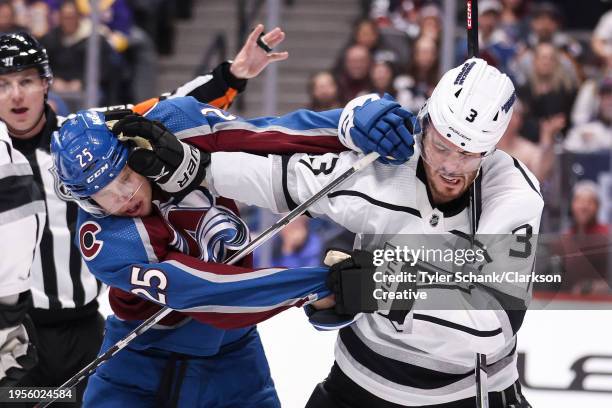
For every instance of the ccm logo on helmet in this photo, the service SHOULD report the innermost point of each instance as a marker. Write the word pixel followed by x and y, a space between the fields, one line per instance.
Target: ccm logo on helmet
pixel 98 173
pixel 90 246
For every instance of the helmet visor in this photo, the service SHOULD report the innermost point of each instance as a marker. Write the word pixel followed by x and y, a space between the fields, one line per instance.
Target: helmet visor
pixel 443 156
pixel 119 192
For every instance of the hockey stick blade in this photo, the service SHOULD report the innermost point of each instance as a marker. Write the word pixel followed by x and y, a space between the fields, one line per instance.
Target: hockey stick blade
pixel 255 243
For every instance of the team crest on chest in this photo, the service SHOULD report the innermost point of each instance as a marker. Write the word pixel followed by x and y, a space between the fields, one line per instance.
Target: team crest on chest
pixel 205 229
pixel 89 245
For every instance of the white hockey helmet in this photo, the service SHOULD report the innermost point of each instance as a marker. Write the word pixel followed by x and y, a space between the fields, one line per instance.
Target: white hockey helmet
pixel 472 105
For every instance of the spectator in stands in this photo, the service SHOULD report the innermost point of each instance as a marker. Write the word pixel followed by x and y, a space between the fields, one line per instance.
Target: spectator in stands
pixel 298 246
pixel 430 22
pixel 8 23
pixel 513 21
pixel 602 38
pixel 539 158
pixel 37 15
pixel 402 15
pixel 415 86
pixel 323 92
pixel 584 247
pixel 353 78
pixel 495 47
pixel 597 134
pixel 587 102
pixel 546 28
pixel 67 49
pixel 366 34
pixel 131 42
pixel 585 206
pixel 549 91
pixel 382 75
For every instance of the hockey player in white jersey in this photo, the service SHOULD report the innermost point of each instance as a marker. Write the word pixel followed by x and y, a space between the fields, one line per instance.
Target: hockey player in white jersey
pixel 456 182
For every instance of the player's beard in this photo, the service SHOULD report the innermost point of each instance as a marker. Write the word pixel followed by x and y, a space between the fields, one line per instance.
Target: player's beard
pixel 443 190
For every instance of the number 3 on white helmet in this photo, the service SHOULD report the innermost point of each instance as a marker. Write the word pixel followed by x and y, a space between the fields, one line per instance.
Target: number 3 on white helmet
pixel 471 106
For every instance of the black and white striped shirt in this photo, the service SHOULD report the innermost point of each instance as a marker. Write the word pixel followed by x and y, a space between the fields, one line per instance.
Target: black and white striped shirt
pixel 21 218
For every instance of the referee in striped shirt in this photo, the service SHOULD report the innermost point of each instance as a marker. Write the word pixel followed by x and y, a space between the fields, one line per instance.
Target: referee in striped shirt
pixel 22 214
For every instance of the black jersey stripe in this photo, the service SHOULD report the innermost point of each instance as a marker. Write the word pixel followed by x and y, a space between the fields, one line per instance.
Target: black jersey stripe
pixel 290 203
pixel 35 238
pixel 455 326
pixel 396 371
pixel 376 202
pixel 518 166
pixel 78 291
pixel 17 191
pixel 9 150
pixel 46 244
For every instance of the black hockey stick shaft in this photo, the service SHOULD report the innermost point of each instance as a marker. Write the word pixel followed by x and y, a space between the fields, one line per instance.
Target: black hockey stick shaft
pixel 255 243
pixel 471 25
pixel 480 367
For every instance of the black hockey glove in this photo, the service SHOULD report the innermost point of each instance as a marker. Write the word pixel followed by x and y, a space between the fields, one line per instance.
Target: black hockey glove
pixel 351 281
pixel 18 353
pixel 174 166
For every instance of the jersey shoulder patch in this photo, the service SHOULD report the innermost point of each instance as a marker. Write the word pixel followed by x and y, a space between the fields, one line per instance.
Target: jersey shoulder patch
pixel 89 245
pixel 183 113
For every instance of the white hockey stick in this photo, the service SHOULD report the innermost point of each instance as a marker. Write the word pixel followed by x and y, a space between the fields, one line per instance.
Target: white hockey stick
pixel 255 243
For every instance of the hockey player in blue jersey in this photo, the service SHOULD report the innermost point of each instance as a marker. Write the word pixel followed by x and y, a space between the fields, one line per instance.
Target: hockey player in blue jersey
pixel 155 250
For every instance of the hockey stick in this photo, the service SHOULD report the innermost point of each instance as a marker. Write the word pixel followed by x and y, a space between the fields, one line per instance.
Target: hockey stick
pixel 480 366
pixel 255 243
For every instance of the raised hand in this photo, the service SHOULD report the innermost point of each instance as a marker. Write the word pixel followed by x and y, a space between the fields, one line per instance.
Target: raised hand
pixel 252 59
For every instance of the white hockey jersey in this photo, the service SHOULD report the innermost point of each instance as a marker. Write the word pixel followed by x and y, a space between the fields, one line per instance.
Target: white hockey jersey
pixel 426 356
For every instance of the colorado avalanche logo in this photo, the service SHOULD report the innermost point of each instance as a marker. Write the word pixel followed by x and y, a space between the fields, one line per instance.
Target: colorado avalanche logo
pixel 218 231
pixel 90 246
pixel 205 226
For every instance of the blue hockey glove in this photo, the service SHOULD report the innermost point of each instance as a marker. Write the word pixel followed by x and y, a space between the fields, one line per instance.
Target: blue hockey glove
pixel 383 126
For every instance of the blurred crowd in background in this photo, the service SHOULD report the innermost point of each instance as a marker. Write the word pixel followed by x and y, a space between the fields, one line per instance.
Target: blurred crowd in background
pixel 133 33
pixel 559 55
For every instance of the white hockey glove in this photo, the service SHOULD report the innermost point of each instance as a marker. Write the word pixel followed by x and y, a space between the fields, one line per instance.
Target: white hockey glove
pixel 174 166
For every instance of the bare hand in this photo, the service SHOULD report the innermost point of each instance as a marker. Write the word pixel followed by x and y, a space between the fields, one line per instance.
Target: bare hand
pixel 325 303
pixel 551 126
pixel 252 59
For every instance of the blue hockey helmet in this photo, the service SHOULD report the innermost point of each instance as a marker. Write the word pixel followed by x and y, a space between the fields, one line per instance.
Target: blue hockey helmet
pixel 87 156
